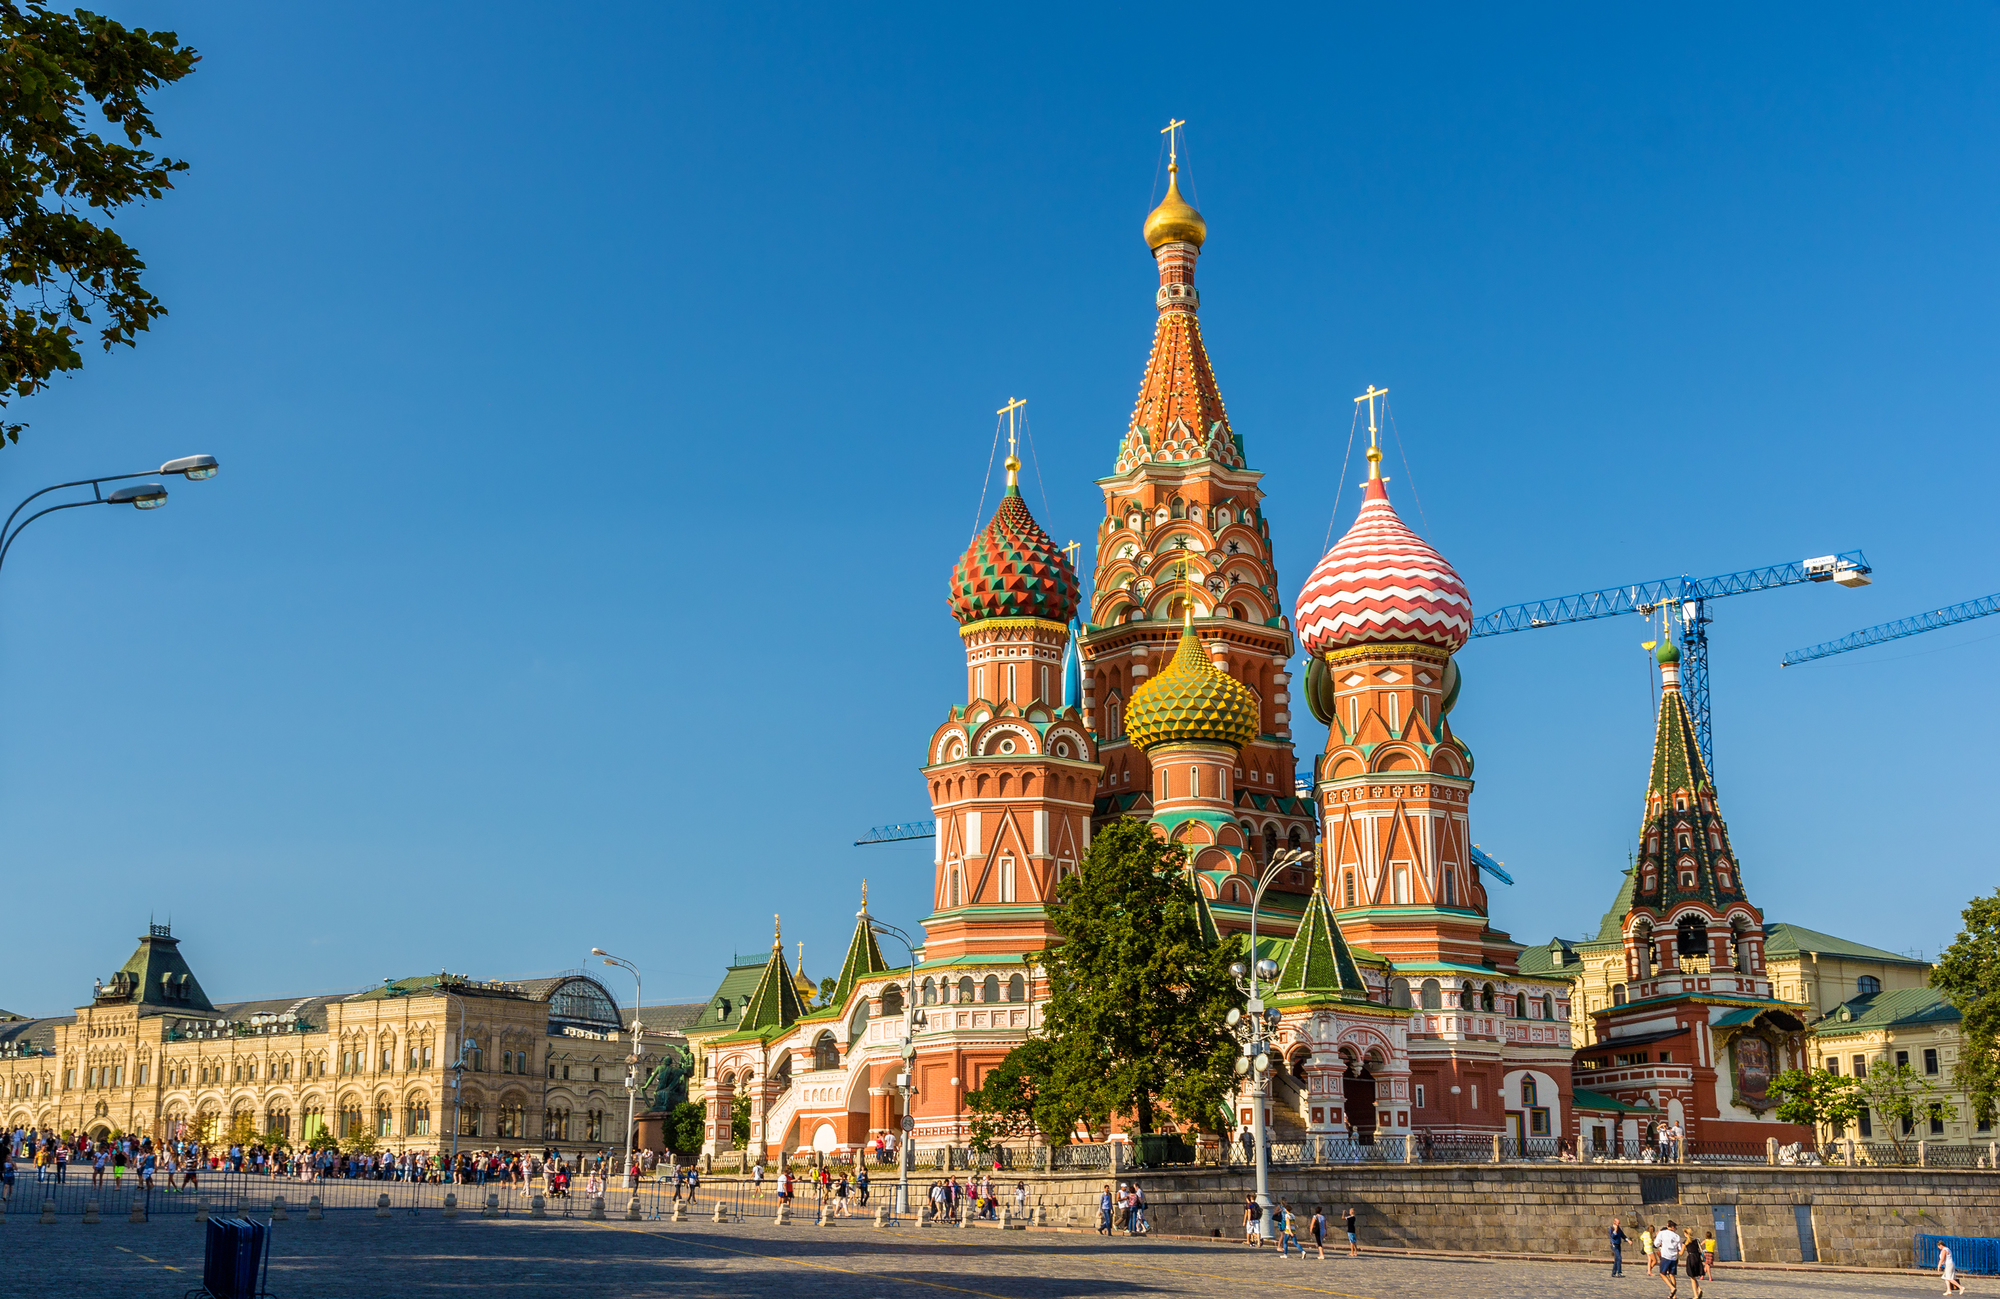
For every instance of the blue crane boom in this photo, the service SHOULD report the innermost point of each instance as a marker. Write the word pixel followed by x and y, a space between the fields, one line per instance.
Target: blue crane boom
pixel 900 831
pixel 1896 630
pixel 1686 600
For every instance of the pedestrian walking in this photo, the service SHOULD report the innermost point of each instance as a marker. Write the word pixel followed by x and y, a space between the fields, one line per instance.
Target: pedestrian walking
pixel 861 1185
pixel 1104 1212
pixel 1694 1263
pixel 1618 1239
pixel 1646 1248
pixel 1948 1269
pixel 1288 1232
pixel 1319 1231
pixel 1669 1245
pixel 1348 1220
pixel 1250 1216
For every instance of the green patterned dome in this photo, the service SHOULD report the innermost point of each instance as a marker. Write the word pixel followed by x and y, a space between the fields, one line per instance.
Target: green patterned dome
pixel 1192 701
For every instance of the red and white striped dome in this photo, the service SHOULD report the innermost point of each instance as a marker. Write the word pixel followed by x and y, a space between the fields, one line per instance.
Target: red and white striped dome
pixel 1382 582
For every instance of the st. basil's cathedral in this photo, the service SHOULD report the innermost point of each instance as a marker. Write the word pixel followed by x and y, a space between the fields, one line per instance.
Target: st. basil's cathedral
pixel 1403 1011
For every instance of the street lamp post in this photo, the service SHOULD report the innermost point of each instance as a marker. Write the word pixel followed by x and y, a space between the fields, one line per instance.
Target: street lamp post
pixel 1257 1058
pixel 913 1019
pixel 632 1058
pixel 144 496
pixel 457 1090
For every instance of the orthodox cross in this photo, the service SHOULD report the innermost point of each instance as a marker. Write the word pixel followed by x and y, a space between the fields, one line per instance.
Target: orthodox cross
pixel 1013 404
pixel 1374 450
pixel 1072 550
pixel 1172 131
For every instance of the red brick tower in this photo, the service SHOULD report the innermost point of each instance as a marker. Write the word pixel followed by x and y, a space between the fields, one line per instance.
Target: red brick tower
pixel 1382 616
pixel 1182 499
pixel 1012 772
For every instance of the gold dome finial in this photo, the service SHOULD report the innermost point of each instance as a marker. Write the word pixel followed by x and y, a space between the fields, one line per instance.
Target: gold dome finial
pixel 1174 221
pixel 1374 445
pixel 1013 405
pixel 777 933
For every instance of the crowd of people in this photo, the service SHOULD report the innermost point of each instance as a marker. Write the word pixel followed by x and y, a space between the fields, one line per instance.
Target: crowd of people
pixel 178 1166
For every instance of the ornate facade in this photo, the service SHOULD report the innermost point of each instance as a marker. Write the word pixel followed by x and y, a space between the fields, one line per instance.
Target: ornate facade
pixel 1697 1035
pixel 544 1061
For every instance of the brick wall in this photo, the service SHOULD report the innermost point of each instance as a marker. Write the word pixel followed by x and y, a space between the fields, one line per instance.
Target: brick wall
pixel 1865 1217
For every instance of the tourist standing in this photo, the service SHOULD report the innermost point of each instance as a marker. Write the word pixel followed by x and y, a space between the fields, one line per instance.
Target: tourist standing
pixel 1617 1249
pixel 1353 1225
pixel 1104 1212
pixel 1319 1232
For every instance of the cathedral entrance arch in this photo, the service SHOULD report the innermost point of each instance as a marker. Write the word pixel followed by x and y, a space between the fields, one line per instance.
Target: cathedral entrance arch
pixel 1358 1093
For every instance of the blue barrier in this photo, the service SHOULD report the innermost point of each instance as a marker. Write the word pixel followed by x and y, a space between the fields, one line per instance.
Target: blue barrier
pixel 1978 1255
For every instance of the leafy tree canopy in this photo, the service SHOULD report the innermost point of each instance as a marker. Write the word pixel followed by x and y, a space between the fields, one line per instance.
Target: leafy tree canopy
pixel 685 1128
pixel 739 1122
pixel 1815 1098
pixel 1135 1020
pixel 62 269
pixel 1968 973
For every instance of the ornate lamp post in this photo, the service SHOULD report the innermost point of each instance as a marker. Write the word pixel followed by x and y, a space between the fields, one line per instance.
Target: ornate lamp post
pixel 913 1019
pixel 1256 1058
pixel 631 1058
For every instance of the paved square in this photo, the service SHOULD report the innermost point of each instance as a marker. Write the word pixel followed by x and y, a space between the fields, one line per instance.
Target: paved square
pixel 354 1254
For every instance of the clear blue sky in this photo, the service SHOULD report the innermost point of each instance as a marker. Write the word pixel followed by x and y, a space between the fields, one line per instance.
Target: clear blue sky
pixel 603 395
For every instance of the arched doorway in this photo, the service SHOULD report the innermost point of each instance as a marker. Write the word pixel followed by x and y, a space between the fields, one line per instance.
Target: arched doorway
pixel 1358 1093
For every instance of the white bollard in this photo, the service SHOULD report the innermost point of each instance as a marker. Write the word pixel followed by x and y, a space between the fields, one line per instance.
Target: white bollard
pixel 90 1212
pixel 278 1213
pixel 632 1211
pixel 721 1212
pixel 48 1211
pixel 965 1214
pixel 492 1209
pixel 783 1218
pixel 451 1204
pixel 313 1207
pixel 881 1215
pixel 538 1207
pixel 382 1205
pixel 596 1213
pixel 680 1211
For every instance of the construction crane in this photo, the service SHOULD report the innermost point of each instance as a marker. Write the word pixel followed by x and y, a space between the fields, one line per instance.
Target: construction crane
pixel 1902 627
pixel 1684 600
pixel 899 832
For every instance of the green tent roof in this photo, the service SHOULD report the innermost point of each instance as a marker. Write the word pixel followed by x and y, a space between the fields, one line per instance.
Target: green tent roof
pixel 1783 939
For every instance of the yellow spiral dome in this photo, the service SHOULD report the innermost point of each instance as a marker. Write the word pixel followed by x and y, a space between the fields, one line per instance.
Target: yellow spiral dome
pixel 1174 221
pixel 1192 701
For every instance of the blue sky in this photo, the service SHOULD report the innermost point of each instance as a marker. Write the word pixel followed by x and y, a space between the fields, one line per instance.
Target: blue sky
pixel 604 394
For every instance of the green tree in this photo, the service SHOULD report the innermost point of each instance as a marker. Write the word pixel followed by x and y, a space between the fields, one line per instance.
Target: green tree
pixel 358 1141
pixel 1135 1022
pixel 62 269
pixel 739 1121
pixel 827 987
pixel 686 1125
pixel 322 1140
pixel 1904 1100
pixel 1968 973
pixel 242 1129
pixel 1825 1102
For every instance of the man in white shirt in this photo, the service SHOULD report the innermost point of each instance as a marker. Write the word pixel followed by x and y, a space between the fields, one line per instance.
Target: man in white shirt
pixel 1669 1244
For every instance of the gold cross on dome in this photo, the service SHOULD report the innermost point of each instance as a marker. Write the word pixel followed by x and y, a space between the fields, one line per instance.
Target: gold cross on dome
pixel 1013 404
pixel 1374 448
pixel 1172 130
pixel 1072 550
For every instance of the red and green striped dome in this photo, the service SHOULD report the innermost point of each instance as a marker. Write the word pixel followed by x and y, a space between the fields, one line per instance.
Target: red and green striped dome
pixel 1013 570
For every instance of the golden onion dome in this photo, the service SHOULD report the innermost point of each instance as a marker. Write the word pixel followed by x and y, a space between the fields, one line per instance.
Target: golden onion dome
pixel 1192 701
pixel 1173 221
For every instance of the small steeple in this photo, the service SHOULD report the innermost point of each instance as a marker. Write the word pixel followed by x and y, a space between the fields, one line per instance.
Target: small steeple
pixel 775 1003
pixel 864 955
pixel 1318 963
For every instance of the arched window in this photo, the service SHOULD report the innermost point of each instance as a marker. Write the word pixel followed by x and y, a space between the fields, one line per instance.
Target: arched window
pixel 892 999
pixel 965 989
pixel 1270 843
pixel 1017 988
pixel 1293 839
pixel 1520 1003
pixel 1527 1093
pixel 1399 993
pixel 930 993
pixel 1433 995
pixel 417 1118
pixel 989 992
pixel 1468 997
pixel 1180 508
pixel 1617 994
pixel 469 1116
pixel 1692 936
pixel 826 1054
pixel 1548 1006
pixel 1868 985
pixel 1486 998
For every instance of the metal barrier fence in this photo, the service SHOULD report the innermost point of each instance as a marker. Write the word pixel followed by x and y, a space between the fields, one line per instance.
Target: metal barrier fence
pixel 1975 1254
pixel 253 1193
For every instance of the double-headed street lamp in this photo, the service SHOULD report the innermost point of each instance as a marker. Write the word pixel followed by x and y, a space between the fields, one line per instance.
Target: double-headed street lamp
pixel 1256 1058
pixel 913 1019
pixel 632 1057
pixel 144 496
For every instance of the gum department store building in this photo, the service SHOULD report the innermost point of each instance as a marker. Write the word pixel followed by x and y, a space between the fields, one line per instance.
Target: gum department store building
pixel 545 1063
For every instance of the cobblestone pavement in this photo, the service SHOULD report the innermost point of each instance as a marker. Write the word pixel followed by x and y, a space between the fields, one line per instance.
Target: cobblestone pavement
pixel 354 1254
